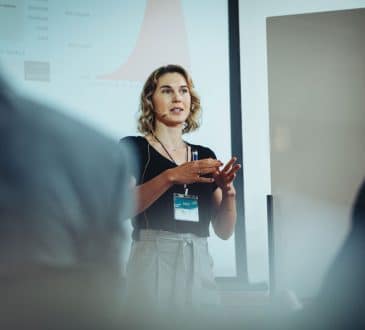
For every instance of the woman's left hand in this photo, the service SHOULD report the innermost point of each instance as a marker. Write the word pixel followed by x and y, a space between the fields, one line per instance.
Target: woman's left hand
pixel 224 178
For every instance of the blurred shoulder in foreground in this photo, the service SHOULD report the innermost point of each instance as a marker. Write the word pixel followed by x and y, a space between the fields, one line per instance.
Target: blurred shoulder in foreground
pixel 63 199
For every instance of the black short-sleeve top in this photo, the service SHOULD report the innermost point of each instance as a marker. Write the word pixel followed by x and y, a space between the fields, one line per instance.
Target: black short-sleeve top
pixel 160 215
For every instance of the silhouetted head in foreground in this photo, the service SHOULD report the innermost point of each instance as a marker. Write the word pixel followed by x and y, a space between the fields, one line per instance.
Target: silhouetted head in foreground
pixel 340 303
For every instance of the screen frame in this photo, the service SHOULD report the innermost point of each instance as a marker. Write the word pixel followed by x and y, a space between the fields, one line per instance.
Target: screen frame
pixel 240 281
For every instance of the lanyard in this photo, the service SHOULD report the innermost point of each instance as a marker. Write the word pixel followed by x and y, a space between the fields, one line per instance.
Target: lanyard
pixel 187 158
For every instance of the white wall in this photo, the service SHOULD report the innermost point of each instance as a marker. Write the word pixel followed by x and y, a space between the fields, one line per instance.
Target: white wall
pixel 255 114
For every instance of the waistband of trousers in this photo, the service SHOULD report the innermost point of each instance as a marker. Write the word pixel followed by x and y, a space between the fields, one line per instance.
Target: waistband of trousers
pixel 152 234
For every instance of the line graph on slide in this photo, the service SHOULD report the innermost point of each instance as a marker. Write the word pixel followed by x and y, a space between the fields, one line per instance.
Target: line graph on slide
pixel 162 40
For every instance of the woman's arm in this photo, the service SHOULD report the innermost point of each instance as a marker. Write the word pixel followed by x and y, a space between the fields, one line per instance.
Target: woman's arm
pixel 225 218
pixel 147 193
pixel 224 199
pixel 187 173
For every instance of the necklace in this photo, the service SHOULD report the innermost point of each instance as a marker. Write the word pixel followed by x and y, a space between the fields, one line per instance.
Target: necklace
pixel 176 148
pixel 182 145
pixel 165 149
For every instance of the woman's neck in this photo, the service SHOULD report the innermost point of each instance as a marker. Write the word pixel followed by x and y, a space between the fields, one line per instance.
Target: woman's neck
pixel 170 136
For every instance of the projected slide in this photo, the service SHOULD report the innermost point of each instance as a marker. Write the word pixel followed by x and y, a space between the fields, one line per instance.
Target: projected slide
pixel 11 13
pixel 163 23
pixel 90 58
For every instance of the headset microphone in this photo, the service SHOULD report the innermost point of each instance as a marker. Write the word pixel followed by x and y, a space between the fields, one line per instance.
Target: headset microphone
pixel 164 114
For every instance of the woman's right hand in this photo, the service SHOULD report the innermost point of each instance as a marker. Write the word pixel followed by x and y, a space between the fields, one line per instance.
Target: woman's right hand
pixel 194 171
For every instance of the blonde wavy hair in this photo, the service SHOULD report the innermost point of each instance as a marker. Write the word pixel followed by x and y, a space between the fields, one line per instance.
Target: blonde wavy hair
pixel 146 120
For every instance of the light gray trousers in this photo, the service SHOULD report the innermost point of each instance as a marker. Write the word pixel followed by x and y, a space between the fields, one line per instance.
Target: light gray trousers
pixel 171 270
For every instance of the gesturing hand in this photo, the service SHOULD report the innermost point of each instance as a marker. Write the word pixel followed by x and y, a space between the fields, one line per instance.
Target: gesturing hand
pixel 191 172
pixel 224 178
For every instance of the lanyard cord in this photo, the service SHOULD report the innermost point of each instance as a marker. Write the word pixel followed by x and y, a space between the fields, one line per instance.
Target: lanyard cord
pixel 187 158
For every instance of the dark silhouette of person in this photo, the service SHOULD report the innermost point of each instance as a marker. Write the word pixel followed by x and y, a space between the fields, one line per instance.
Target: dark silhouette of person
pixel 341 299
pixel 340 302
pixel 63 198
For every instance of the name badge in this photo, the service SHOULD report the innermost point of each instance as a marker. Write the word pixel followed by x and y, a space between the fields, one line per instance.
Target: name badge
pixel 186 207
